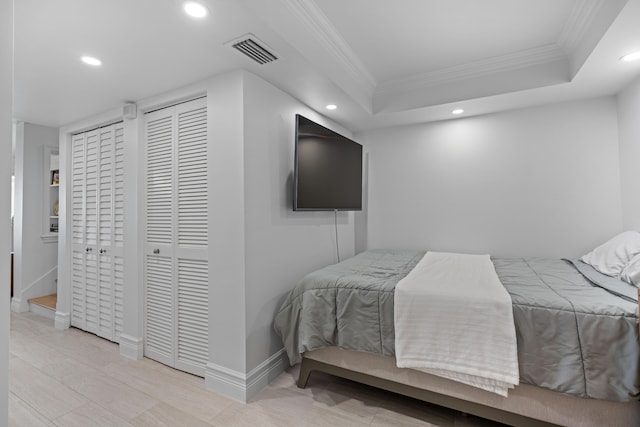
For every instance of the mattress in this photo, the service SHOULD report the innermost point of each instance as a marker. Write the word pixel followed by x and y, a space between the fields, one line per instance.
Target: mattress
pixel 573 336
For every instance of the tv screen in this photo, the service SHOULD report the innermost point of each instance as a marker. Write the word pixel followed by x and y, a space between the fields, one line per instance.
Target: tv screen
pixel 327 170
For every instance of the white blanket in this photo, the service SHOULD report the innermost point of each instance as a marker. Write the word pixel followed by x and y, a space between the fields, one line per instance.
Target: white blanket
pixel 454 319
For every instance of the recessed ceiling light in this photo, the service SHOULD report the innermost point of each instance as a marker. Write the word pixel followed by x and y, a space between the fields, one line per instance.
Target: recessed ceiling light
pixel 457 111
pixel 631 57
pixel 331 107
pixel 90 60
pixel 195 9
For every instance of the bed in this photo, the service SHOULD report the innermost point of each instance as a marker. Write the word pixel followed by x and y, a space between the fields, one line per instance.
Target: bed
pixel 577 338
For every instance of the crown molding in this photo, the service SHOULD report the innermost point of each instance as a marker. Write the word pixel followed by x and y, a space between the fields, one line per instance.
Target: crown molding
pixel 582 16
pixel 514 61
pixel 323 31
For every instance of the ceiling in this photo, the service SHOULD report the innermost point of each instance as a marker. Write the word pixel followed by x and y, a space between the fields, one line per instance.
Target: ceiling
pixel 382 62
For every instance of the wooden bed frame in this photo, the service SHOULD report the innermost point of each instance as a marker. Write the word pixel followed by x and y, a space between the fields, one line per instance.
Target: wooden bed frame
pixel 526 405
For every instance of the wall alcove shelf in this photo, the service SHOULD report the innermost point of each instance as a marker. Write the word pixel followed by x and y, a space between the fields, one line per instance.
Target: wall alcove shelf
pixel 51 195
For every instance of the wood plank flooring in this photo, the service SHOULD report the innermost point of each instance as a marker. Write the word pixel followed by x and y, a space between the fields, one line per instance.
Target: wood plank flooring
pixel 48 301
pixel 72 378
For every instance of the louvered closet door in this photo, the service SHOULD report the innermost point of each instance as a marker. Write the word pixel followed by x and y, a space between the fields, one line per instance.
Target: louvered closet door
pixel 78 298
pixel 117 239
pixel 97 231
pixel 176 282
pixel 159 296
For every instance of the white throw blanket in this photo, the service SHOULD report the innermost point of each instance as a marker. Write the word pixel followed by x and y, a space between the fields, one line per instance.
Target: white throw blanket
pixel 454 319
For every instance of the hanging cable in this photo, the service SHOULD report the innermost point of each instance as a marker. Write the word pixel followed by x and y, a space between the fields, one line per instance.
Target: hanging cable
pixel 335 221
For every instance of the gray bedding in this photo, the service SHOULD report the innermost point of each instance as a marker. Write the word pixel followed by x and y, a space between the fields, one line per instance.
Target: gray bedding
pixel 573 337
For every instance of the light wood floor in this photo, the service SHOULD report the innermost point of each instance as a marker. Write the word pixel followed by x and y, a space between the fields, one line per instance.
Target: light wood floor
pixel 72 378
pixel 48 301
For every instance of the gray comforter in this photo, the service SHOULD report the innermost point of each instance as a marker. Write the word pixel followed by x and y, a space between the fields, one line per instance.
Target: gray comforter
pixel 573 336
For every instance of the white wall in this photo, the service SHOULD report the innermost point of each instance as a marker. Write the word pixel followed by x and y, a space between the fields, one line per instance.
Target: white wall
pixel 226 227
pixel 6 99
pixel 35 259
pixel 533 182
pixel 260 247
pixel 281 245
pixel 629 130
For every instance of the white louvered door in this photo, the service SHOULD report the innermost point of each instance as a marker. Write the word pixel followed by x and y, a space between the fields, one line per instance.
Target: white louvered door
pixel 97 231
pixel 176 282
pixel 159 297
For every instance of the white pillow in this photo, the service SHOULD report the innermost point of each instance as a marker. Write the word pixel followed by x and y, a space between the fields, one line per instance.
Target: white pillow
pixel 613 256
pixel 631 273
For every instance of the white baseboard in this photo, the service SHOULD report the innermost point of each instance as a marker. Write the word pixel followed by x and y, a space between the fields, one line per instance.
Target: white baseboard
pixel 131 347
pixel 19 306
pixel 244 387
pixel 267 371
pixel 225 381
pixel 42 311
pixel 62 320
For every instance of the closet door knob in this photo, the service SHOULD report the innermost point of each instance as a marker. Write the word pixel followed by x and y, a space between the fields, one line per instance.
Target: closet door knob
pixel 87 250
pixel 103 251
pixel 156 251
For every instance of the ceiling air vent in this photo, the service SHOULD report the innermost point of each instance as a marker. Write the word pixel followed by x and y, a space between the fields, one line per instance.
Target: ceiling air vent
pixel 254 48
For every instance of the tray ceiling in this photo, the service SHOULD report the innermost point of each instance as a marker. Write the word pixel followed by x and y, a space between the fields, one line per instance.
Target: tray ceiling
pixel 382 62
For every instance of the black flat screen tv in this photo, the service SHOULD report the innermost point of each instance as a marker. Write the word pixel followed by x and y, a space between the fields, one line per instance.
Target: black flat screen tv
pixel 327 170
